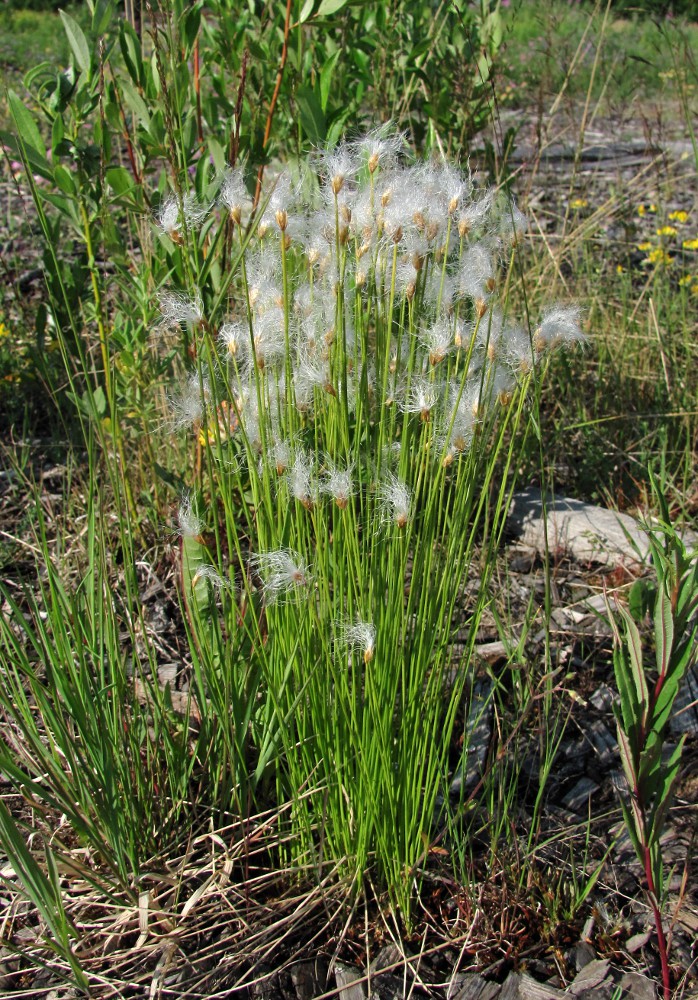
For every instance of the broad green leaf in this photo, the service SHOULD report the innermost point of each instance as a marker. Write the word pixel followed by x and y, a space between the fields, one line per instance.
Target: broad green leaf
pixel 334 132
pixel 37 163
pixel 102 16
pixel 626 690
pixel 312 115
pixel 57 133
pixel 64 180
pixel 190 25
pixel 197 589
pixel 131 51
pixel 665 701
pixel 119 180
pixel 306 11
pixel 326 78
pixel 77 42
pixel 641 599
pixel 64 205
pixel 135 103
pixel 26 126
pixel 329 7
pixel 217 154
pixel 649 769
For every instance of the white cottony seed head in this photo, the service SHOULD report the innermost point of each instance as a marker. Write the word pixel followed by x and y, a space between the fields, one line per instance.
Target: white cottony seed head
pixel 559 325
pixel 394 501
pixel 359 635
pixel 421 398
pixel 234 194
pixel 191 402
pixel 235 338
pixel 174 218
pixel 207 572
pixel 190 524
pixel 338 483
pixel 301 481
pixel 177 308
pixel 282 572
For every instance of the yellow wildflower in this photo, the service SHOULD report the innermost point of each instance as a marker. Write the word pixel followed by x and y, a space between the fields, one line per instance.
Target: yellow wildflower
pixel 579 203
pixel 690 244
pixel 679 217
pixel 685 280
pixel 4 331
pixel 644 246
pixel 666 231
pixel 658 256
pixel 619 269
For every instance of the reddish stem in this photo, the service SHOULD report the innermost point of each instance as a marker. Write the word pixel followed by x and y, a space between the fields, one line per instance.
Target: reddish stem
pixel 661 940
pixel 127 139
pixel 274 98
pixel 197 91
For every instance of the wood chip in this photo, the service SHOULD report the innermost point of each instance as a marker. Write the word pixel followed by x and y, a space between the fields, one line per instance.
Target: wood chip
pixel 591 976
pixel 519 986
pixel 473 986
pixel 350 983
pixel 578 797
pixel 638 987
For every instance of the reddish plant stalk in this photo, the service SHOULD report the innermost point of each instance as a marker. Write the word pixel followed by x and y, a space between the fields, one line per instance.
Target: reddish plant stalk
pixel 274 99
pixel 661 939
pixel 197 91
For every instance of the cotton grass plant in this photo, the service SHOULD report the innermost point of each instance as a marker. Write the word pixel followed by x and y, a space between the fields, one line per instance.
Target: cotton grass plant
pixel 354 414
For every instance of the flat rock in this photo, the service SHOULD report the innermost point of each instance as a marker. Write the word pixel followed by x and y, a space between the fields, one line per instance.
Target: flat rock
pixel 582 531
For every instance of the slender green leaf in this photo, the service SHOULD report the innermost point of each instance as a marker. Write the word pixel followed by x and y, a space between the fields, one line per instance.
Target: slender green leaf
pixel 25 125
pixel 77 42
pixel 663 631
pixel 634 646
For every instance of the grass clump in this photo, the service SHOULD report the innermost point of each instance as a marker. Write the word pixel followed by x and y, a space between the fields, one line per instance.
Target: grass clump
pixel 355 428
